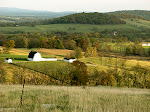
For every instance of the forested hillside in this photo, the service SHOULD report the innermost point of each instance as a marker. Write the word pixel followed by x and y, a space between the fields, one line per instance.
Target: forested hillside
pixel 133 13
pixel 86 18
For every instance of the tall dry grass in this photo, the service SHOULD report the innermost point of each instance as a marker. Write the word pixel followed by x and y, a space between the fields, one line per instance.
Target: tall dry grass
pixel 75 99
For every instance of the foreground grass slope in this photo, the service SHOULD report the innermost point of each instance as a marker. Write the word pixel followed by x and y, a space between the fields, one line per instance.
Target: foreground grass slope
pixel 74 99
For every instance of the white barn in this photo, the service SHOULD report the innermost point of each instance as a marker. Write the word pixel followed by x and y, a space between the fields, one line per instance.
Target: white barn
pixel 69 60
pixel 146 44
pixel 7 60
pixel 35 56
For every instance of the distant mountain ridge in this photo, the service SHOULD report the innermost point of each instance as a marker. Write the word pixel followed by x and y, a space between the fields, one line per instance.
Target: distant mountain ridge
pixel 16 12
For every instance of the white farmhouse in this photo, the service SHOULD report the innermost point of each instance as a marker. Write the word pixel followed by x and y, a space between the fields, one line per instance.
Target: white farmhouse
pixel 34 56
pixel 7 60
pixel 146 44
pixel 69 60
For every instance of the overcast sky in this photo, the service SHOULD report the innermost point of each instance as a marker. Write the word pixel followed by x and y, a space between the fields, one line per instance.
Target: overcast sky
pixel 78 5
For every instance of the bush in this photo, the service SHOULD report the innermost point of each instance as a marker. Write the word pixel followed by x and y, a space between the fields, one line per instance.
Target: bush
pixel 79 74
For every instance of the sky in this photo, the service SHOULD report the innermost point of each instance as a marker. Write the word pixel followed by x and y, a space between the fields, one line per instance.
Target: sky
pixel 78 5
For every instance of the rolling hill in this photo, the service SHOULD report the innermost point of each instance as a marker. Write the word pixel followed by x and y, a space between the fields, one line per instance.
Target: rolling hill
pixel 87 18
pixel 140 13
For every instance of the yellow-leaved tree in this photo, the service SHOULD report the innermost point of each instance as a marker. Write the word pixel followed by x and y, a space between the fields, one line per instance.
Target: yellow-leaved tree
pixel 91 52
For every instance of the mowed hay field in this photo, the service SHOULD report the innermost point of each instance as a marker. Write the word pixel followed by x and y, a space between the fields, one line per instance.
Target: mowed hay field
pixel 73 99
pixel 22 53
pixel 59 53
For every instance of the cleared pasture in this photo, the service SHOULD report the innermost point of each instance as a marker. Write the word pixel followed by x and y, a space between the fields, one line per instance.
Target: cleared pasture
pixel 66 28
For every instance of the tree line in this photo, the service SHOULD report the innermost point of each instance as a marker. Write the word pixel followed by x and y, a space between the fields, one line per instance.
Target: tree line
pixel 63 40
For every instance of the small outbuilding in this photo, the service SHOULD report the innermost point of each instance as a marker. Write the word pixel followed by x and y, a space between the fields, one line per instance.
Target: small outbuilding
pixel 70 60
pixel 34 56
pixel 7 60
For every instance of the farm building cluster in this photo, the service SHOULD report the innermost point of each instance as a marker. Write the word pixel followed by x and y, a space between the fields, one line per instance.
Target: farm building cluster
pixel 35 56
pixel 146 44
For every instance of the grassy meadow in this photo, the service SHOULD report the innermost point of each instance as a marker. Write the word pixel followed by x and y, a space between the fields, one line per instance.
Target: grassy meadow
pixel 85 28
pixel 134 25
pixel 73 99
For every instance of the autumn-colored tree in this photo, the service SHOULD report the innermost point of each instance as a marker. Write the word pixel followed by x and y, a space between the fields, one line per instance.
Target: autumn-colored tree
pixel 108 48
pixel 8 45
pixel 96 44
pixel 82 43
pixel 21 42
pixel 59 44
pixel 88 41
pixel 141 77
pixel 141 51
pixel 103 78
pixel 34 43
pixel 69 44
pixel 78 53
pixel 134 49
pixel 91 52
pixel 49 44
pixel 107 79
pixel 128 50
pixel 54 42
pixel 79 74
pixel 43 42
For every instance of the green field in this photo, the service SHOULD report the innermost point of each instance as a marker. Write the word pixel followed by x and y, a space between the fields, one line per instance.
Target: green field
pixel 86 28
pixel 45 67
pixel 73 99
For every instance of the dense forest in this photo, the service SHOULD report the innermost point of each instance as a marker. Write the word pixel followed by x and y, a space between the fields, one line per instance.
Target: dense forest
pixel 86 18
